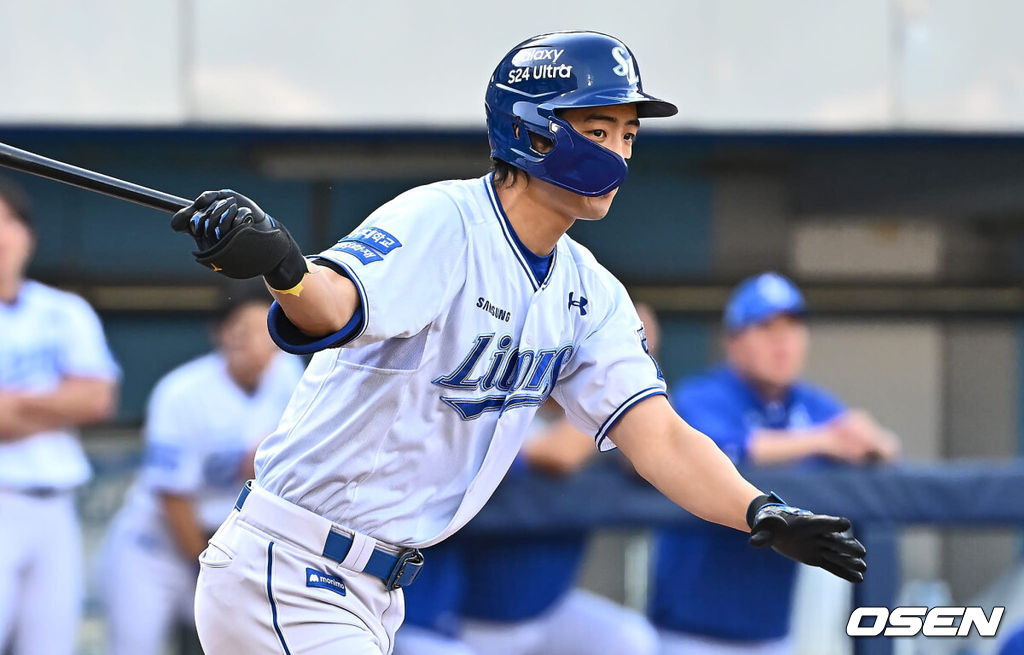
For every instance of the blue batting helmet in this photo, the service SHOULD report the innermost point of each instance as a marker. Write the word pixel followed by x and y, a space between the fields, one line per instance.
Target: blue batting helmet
pixel 556 71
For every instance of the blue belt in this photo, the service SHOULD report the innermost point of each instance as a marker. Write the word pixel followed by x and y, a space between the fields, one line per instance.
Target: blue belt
pixel 397 571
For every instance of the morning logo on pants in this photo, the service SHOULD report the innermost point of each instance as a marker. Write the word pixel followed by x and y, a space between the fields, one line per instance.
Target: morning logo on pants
pixel 322 580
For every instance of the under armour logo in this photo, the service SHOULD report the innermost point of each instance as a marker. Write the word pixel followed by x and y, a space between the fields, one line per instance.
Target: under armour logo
pixel 581 303
pixel 626 68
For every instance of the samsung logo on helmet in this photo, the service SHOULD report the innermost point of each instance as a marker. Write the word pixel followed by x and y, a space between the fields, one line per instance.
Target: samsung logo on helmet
pixel 530 55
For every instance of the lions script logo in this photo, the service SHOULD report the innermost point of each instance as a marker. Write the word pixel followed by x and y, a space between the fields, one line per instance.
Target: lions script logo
pixel 505 379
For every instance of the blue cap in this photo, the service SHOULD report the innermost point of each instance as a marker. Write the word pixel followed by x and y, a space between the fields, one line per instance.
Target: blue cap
pixel 760 298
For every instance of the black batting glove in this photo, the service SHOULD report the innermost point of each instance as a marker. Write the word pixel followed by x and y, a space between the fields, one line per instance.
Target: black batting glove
pixel 815 539
pixel 236 238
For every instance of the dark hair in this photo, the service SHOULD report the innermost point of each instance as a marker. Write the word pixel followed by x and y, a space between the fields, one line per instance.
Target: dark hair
pixel 505 174
pixel 15 197
pixel 235 294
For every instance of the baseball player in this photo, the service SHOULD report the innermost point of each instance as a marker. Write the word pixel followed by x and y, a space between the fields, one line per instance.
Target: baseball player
pixel 198 450
pixel 440 326
pixel 56 373
pixel 756 409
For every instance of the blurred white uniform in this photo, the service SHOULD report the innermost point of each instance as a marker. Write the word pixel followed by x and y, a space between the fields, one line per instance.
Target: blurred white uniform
pixel 582 623
pixel 46 335
pixel 195 445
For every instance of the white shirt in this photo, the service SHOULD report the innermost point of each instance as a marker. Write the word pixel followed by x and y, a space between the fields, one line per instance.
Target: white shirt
pixel 404 433
pixel 200 425
pixel 47 335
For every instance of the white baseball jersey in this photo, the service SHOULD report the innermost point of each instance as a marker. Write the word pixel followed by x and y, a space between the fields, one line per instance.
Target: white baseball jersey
pixel 404 433
pixel 199 426
pixel 47 335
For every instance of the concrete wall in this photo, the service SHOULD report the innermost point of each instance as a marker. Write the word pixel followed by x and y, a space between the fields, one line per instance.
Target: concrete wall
pixel 728 63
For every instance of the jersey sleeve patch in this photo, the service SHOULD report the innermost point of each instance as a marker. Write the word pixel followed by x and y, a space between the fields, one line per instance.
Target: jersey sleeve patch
pixel 370 244
pixel 361 252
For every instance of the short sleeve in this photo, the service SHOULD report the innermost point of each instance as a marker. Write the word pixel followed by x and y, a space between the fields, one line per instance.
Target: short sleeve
pixel 710 415
pixel 170 462
pixel 610 372
pixel 84 351
pixel 407 261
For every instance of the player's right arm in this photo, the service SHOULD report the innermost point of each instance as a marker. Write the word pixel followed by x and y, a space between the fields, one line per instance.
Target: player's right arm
pixel 405 259
pixel 324 303
pixel 238 239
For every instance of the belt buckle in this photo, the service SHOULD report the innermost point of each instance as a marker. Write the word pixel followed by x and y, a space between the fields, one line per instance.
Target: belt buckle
pixel 246 489
pixel 405 570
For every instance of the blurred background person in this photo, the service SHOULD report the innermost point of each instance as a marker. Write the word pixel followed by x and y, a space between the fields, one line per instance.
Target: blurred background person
pixel 56 373
pixel 433 606
pixel 712 593
pixel 1014 644
pixel 198 450
pixel 520 596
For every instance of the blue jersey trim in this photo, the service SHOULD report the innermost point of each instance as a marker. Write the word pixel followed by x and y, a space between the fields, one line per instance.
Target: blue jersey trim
pixel 613 418
pixel 291 340
pixel 270 596
pixel 532 264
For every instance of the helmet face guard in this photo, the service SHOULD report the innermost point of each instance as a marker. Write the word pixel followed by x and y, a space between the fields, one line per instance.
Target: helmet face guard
pixel 562 71
pixel 574 162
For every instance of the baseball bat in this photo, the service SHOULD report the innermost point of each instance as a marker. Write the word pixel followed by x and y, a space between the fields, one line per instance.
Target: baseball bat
pixel 28 162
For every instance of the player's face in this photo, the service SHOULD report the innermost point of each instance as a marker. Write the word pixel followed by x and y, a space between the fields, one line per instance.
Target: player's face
pixel 771 354
pixel 615 128
pixel 245 343
pixel 15 245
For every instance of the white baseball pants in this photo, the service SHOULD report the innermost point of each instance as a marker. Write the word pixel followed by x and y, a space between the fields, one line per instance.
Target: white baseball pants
pixel 580 624
pixel 40 574
pixel 254 595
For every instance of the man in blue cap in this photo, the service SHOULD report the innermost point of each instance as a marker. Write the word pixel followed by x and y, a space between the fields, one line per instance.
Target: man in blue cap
pixel 712 594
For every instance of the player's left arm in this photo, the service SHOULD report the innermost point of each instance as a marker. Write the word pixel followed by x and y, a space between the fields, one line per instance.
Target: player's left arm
pixel 683 464
pixel 690 470
pixel 75 401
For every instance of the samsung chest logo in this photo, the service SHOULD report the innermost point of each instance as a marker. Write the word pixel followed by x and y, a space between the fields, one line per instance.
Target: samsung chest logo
pixel 494 310
pixel 503 377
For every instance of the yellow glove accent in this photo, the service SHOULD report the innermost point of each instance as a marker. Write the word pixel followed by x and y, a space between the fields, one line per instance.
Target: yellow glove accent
pixel 297 289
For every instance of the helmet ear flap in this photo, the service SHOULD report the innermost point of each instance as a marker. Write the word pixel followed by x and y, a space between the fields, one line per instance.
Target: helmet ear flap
pixel 541 144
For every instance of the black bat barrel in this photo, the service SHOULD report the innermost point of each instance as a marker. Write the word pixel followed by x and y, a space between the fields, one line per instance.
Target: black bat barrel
pixel 29 162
